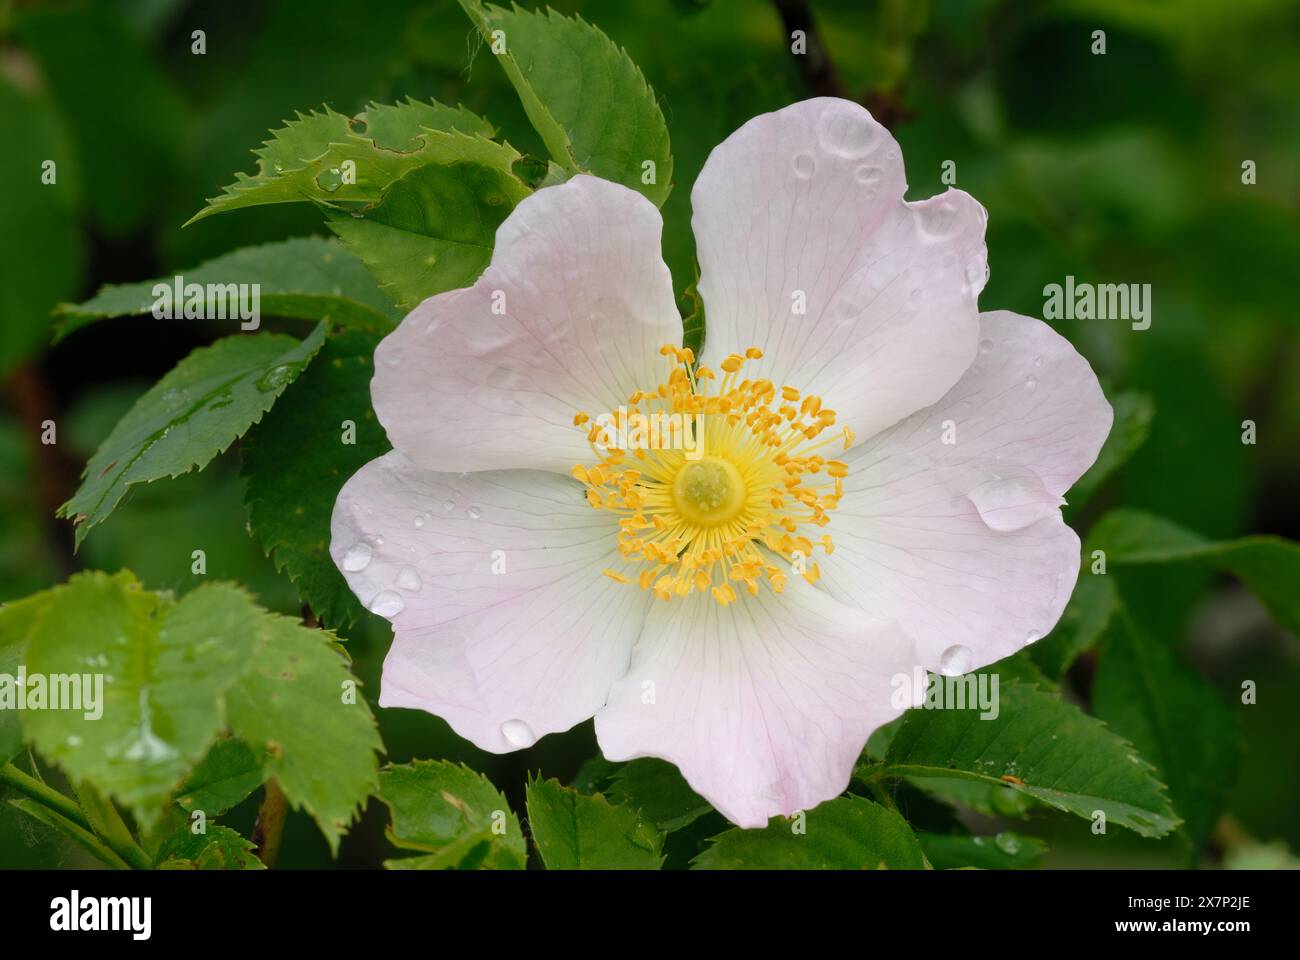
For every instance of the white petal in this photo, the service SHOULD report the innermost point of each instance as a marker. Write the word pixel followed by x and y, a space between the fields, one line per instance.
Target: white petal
pixel 963 543
pixel 568 317
pixel 765 705
pixel 807 203
pixel 504 625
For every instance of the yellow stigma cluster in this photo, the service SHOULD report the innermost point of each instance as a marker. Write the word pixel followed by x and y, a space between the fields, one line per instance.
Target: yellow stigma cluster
pixel 715 481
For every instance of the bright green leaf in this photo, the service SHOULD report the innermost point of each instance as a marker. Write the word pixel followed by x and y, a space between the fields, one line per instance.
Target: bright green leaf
pixel 298 701
pixel 848 833
pixel 583 94
pixel 164 666
pixel 453 815
pixel 1059 755
pixel 207 402
pixel 576 831
pixel 436 226
pixel 309 277
pixel 319 157
pixel 220 848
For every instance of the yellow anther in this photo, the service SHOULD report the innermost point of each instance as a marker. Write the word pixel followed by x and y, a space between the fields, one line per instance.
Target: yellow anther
pixel 789 393
pixel 733 363
pixel 753 353
pixel 616 576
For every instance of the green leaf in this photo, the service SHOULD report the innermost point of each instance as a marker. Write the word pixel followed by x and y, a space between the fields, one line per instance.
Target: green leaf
pixel 309 158
pixel 1270 566
pixel 1133 414
pixel 298 701
pixel 848 833
pixel 659 792
pixel 453 815
pixel 17 620
pixel 219 849
pixel 403 126
pixel 435 227
pixel 1004 851
pixel 308 277
pixel 296 461
pixel 193 413
pixel 227 776
pixel 164 667
pixel 1173 717
pixel 40 241
pixel 1083 623
pixel 582 93
pixel 1060 755
pixel 576 831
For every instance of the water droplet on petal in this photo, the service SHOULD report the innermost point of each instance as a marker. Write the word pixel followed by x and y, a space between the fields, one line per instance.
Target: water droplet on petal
pixel 387 604
pixel 408 578
pixel 1031 382
pixel 986 345
pixel 419 520
pixel 358 557
pixel 518 734
pixel 1030 637
pixel 805 165
pixel 474 513
pixel 1038 361
pixel 868 175
pixel 847 130
pixel 448 505
pixel 955 661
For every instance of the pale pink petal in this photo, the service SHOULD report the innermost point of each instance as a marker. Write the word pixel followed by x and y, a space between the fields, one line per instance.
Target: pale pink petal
pixel 504 625
pixel 807 203
pixel 963 543
pixel 764 705
pixel 568 317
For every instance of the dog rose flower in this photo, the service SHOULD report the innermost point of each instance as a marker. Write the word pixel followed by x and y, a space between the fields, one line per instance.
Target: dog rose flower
pixel 865 474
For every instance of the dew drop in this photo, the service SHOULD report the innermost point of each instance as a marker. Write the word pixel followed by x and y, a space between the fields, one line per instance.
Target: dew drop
pixel 419 520
pixel 358 557
pixel 938 219
pixel 330 180
pixel 1038 361
pixel 387 604
pixel 847 130
pixel 448 505
pixel 277 377
pixel 474 513
pixel 955 661
pixel 868 175
pixel 518 734
pixel 805 165
pixel 1031 382
pixel 1030 637
pixel 408 578
pixel 1008 843
pixel 986 345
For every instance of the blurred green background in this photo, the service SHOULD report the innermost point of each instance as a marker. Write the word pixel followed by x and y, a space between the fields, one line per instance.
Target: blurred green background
pixel 1120 168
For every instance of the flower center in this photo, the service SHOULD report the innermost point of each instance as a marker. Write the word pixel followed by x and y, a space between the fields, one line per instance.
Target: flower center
pixel 709 492
pixel 724 483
